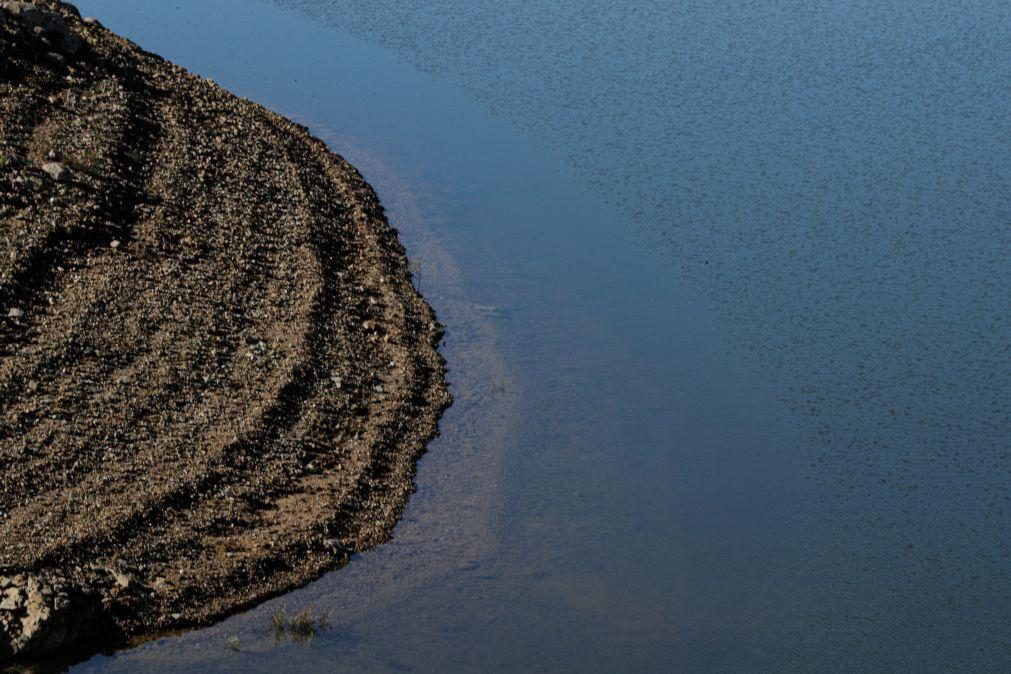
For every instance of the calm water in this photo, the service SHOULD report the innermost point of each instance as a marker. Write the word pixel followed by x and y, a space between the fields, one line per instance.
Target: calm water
pixel 727 287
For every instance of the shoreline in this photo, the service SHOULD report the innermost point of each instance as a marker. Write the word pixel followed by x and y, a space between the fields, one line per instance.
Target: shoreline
pixel 217 375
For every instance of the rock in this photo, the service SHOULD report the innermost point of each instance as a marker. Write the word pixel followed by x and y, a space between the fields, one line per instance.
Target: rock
pixel 45 22
pixel 41 616
pixel 120 583
pixel 57 171
pixel 335 548
pixel 70 8
pixel 12 598
pixel 70 43
pixel 25 12
pixel 15 313
pixel 122 580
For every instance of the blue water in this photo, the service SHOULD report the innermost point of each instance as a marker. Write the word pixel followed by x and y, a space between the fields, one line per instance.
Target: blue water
pixel 727 288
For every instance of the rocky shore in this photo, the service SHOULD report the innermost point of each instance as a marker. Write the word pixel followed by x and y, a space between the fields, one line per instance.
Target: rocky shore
pixel 215 373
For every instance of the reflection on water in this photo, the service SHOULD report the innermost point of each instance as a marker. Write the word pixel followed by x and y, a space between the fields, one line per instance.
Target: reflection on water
pixel 727 294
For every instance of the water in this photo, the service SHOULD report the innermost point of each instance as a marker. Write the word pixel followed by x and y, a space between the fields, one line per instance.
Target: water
pixel 727 295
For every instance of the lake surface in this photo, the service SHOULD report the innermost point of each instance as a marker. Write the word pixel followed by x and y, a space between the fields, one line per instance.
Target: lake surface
pixel 728 293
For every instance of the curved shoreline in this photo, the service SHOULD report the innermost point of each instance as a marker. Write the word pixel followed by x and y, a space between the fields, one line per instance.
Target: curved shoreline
pixel 216 374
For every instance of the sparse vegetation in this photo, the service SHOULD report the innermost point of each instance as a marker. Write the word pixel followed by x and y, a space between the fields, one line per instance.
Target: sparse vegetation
pixel 301 627
pixel 278 622
pixel 417 268
pixel 232 643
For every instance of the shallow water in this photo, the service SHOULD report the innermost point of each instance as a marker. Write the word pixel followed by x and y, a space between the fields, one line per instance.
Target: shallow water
pixel 727 297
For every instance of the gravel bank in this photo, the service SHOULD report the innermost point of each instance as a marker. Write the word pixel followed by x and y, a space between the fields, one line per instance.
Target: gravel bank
pixel 215 373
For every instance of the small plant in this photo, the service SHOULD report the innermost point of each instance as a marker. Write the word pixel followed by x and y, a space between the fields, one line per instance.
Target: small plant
pixel 232 643
pixel 416 269
pixel 301 627
pixel 278 623
pixel 306 624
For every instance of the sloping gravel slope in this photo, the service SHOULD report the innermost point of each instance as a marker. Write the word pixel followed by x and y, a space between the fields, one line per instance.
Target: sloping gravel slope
pixel 215 373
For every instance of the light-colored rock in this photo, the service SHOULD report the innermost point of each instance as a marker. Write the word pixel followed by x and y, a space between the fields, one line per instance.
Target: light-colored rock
pixel 123 580
pixel 40 616
pixel 57 171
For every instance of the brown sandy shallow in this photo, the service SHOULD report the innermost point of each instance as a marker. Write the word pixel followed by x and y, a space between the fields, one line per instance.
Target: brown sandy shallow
pixel 215 374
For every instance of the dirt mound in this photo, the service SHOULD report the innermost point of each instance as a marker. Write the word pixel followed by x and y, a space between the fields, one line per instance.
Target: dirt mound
pixel 215 374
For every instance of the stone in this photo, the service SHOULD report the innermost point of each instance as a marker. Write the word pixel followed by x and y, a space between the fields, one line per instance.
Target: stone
pixel 44 21
pixel 40 616
pixel 12 599
pixel 71 8
pixel 122 580
pixel 25 12
pixel 57 171
pixel 335 548
pixel 15 313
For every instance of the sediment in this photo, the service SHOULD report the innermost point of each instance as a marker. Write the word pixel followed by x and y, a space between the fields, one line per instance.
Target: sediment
pixel 215 373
